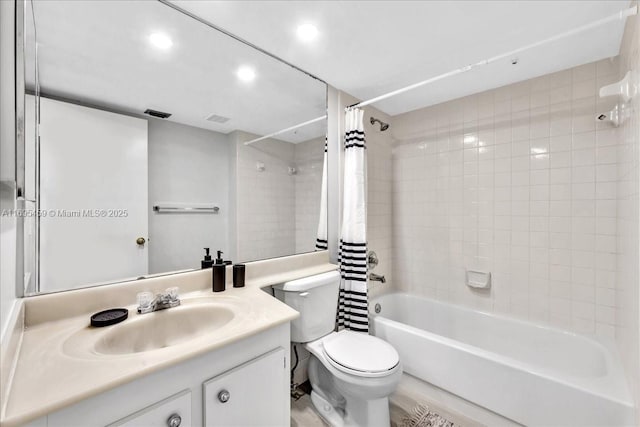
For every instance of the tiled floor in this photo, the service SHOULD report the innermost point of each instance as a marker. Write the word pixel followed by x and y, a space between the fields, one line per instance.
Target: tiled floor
pixel 303 414
pixel 401 404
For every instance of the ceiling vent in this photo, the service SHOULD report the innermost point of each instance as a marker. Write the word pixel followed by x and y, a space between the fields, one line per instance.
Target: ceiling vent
pixel 155 113
pixel 217 119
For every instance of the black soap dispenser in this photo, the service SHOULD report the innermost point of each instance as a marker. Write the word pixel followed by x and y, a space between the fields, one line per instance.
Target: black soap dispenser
pixel 219 274
pixel 207 262
pixel 219 260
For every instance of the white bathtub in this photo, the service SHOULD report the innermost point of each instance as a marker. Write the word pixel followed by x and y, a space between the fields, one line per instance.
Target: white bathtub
pixel 534 375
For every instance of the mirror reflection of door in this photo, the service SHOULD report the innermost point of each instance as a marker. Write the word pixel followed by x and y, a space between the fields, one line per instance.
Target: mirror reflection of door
pixel 93 195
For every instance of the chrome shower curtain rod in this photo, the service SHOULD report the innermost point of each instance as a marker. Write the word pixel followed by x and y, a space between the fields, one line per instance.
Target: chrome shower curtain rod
pixel 271 135
pixel 622 15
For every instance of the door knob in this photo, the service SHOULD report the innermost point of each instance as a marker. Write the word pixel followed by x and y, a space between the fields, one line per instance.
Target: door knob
pixel 174 420
pixel 141 241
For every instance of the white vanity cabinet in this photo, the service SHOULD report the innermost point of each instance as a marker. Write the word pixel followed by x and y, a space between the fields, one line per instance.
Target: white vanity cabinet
pixel 253 371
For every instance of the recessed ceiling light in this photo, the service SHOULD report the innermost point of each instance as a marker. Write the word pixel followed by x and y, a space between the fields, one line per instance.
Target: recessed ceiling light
pixel 307 32
pixel 246 74
pixel 160 40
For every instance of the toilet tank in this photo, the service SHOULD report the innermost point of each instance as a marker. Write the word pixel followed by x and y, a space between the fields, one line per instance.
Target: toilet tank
pixel 316 299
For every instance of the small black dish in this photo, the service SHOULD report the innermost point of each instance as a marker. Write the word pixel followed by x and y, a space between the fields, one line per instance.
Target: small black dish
pixel 109 317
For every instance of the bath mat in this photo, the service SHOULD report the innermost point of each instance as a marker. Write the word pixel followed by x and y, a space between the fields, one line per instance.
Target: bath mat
pixel 422 416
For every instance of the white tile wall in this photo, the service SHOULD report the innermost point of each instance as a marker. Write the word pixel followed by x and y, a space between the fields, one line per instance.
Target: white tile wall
pixel 379 199
pixel 277 212
pixel 518 181
pixel 627 313
pixel 265 200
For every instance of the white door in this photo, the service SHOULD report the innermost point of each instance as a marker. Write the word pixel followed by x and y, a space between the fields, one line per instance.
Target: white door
pixel 251 395
pixel 93 190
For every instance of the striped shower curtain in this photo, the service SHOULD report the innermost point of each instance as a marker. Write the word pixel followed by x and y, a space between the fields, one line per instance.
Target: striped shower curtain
pixel 321 239
pixel 352 303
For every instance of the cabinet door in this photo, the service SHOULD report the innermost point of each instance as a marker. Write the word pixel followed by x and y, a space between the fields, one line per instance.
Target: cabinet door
pixel 174 411
pixel 252 394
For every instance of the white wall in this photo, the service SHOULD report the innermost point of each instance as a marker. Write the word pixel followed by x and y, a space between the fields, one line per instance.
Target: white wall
pixel 519 181
pixel 628 218
pixel 7 157
pixel 187 165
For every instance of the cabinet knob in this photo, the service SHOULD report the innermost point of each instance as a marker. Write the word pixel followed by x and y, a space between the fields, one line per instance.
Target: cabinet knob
pixel 174 420
pixel 224 396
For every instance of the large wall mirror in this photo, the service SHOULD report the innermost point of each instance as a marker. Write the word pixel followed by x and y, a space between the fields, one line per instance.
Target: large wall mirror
pixel 119 193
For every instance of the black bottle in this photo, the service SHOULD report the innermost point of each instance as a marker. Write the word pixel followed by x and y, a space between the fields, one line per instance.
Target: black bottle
pixel 207 262
pixel 219 274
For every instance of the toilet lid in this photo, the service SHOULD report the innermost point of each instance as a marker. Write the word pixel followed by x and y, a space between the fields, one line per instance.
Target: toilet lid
pixel 360 352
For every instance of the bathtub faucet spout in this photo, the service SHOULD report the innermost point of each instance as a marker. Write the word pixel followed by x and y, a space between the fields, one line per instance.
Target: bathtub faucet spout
pixel 377 278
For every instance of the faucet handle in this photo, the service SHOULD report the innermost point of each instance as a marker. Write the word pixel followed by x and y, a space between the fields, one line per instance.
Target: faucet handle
pixel 173 293
pixel 145 299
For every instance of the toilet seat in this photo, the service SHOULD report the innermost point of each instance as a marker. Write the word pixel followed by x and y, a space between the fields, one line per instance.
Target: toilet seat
pixel 360 354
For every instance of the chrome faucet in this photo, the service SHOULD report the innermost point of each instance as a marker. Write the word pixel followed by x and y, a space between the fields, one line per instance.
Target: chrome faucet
pixel 147 303
pixel 377 278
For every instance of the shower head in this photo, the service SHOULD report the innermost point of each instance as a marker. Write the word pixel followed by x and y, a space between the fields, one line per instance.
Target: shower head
pixel 383 126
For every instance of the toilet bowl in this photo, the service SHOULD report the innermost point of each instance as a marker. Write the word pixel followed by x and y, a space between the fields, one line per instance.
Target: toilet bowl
pixel 352 374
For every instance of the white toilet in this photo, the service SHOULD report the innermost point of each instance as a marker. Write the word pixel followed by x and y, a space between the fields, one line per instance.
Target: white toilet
pixel 351 374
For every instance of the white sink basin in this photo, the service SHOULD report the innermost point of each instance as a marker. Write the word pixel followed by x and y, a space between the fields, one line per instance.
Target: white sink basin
pixel 163 328
pixel 195 318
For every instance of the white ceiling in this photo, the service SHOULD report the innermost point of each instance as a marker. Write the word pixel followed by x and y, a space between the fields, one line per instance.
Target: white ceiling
pixel 97 53
pixel 368 48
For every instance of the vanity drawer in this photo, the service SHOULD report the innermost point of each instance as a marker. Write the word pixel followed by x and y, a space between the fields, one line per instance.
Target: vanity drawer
pixel 174 411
